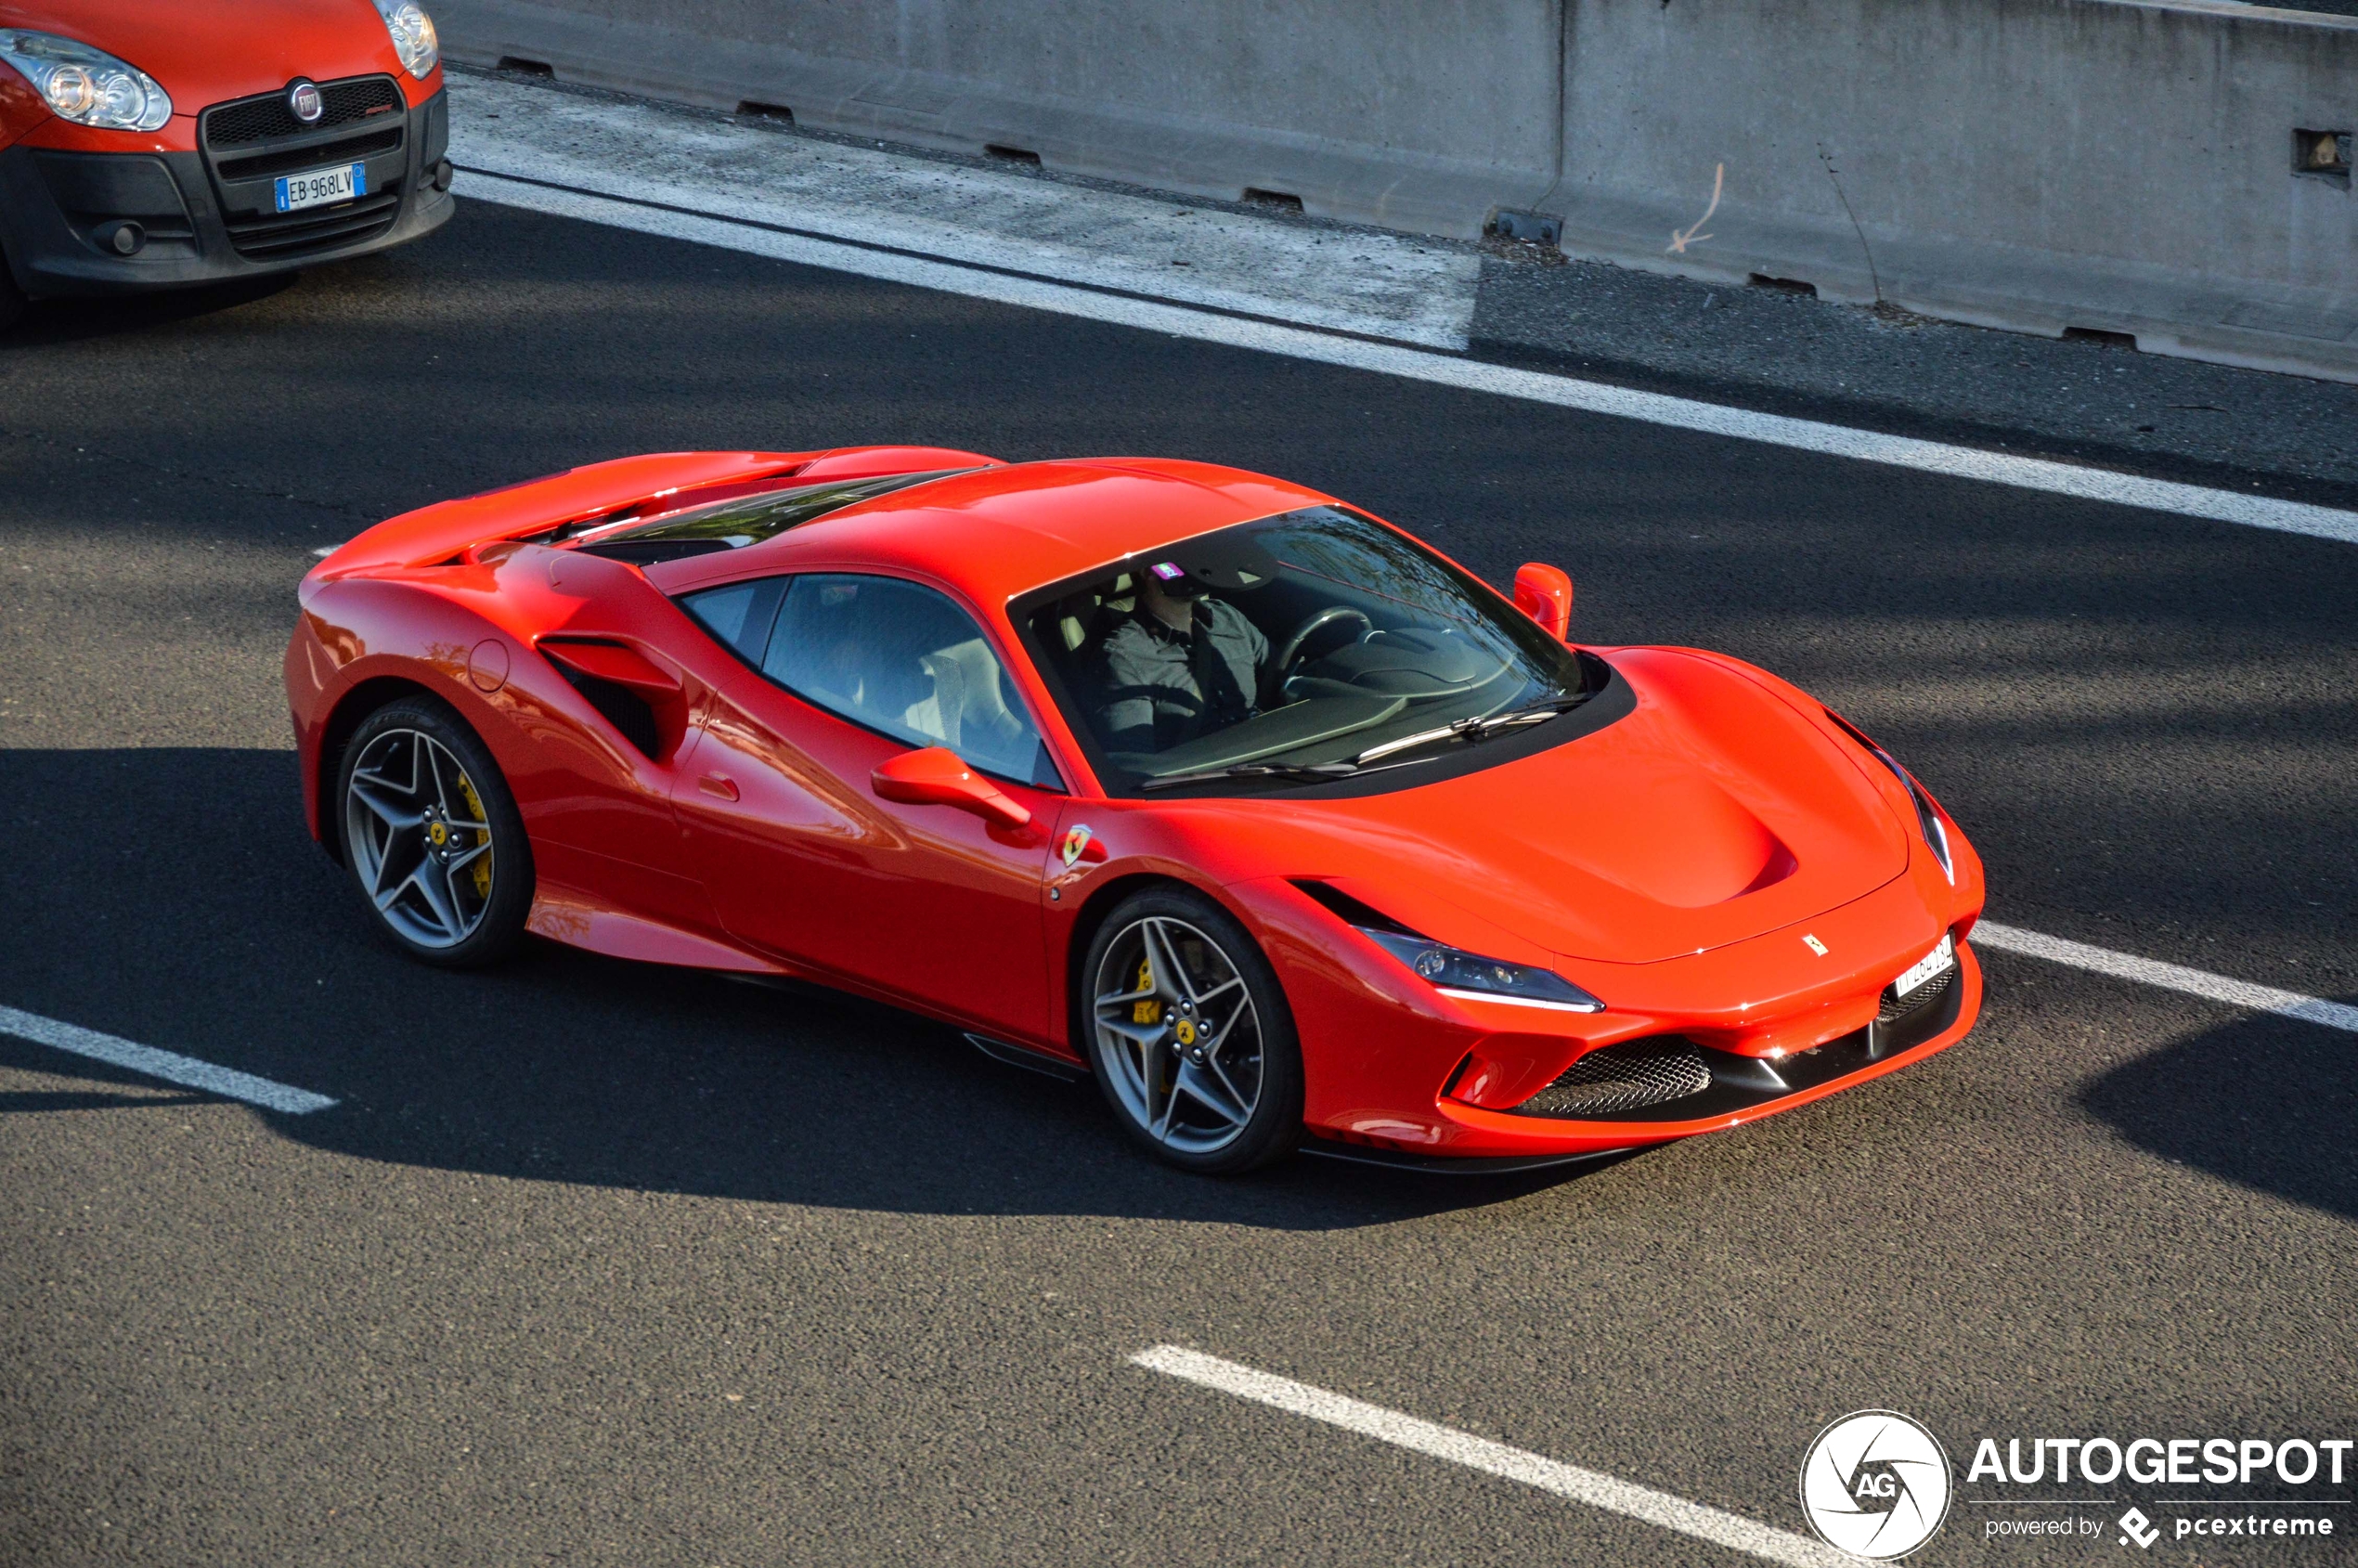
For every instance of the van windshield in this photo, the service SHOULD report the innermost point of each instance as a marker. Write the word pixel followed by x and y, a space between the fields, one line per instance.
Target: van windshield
pixel 1307 646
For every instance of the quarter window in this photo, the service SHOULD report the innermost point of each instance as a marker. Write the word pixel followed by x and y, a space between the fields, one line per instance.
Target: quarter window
pixel 739 614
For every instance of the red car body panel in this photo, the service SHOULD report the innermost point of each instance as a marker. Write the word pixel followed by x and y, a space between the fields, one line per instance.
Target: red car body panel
pixel 21 109
pixel 1722 863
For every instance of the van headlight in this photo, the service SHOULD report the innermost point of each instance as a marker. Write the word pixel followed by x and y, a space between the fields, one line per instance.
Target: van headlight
pixel 88 86
pixel 413 36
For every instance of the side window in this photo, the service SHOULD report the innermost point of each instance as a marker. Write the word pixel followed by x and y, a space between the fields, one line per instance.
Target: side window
pixel 903 660
pixel 738 614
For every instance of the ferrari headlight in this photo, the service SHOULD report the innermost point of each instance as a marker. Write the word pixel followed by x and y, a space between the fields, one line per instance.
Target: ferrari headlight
pixel 413 36
pixel 1454 972
pixel 88 86
pixel 1927 815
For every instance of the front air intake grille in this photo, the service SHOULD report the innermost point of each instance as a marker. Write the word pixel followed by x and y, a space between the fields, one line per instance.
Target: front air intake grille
pixel 267 118
pixel 1623 1078
pixel 1895 1008
pixel 319 229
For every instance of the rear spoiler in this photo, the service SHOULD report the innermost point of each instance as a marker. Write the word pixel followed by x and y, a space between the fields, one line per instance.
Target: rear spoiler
pixel 440 534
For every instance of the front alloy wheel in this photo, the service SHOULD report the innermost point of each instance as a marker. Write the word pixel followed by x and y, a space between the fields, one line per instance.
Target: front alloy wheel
pixel 431 835
pixel 1190 1036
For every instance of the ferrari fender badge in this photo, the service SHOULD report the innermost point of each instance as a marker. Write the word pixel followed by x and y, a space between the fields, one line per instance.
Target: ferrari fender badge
pixel 1814 945
pixel 1080 844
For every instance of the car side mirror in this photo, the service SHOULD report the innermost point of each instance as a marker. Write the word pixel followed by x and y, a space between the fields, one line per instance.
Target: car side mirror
pixel 1544 593
pixel 936 777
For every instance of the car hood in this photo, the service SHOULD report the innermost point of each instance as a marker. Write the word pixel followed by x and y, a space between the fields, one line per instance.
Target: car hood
pixel 1714 811
pixel 205 53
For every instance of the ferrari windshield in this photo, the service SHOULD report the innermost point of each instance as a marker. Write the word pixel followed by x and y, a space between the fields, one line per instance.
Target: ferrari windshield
pixel 1306 646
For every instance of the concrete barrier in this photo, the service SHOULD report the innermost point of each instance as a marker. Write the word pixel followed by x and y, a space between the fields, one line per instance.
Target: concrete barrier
pixel 2119 166
pixel 1422 127
pixel 2107 165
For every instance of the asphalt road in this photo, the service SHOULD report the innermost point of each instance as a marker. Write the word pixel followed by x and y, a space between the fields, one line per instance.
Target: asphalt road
pixel 599 1264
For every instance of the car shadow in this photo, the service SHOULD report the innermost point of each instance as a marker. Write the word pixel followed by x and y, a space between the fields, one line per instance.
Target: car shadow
pixel 107 315
pixel 171 896
pixel 2264 1102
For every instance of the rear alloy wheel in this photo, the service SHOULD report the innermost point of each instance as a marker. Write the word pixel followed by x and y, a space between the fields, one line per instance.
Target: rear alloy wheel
pixel 1191 1035
pixel 433 837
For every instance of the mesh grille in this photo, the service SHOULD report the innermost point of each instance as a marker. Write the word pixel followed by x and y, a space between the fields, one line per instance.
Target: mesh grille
pixel 1623 1078
pixel 267 117
pixel 1895 1008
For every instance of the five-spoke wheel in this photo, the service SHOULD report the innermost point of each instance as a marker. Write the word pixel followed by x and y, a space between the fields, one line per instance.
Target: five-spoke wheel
pixel 1190 1036
pixel 431 835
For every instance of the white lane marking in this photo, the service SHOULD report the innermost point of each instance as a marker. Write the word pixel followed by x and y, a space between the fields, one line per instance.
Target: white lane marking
pixel 170 1066
pixel 2170 977
pixel 1412 364
pixel 1589 1486
pixel 1383 285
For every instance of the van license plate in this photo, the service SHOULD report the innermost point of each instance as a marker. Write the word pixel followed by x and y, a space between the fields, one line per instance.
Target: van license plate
pixel 320 187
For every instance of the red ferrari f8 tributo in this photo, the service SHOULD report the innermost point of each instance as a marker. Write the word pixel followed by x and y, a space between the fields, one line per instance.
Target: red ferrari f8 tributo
pixel 1271 818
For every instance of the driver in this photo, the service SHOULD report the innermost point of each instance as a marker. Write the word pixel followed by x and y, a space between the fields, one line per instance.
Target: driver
pixel 1183 663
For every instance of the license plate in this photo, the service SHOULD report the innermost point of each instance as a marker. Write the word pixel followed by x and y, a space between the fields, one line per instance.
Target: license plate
pixel 1932 964
pixel 320 187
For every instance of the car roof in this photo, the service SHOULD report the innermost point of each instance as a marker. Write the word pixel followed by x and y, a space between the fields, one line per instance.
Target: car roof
pixel 999 533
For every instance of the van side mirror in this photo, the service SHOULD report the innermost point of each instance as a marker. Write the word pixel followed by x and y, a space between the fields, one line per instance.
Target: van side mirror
pixel 1544 593
pixel 936 777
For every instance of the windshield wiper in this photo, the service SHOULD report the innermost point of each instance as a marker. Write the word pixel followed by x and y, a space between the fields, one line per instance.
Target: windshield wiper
pixel 1314 772
pixel 1477 729
pixel 1304 771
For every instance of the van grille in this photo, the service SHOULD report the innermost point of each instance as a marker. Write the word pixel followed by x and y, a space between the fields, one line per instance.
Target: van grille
pixel 266 117
pixel 259 164
pixel 252 140
pixel 320 228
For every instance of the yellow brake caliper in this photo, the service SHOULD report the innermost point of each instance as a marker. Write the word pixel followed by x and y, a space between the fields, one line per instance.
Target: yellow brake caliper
pixel 1148 1011
pixel 482 867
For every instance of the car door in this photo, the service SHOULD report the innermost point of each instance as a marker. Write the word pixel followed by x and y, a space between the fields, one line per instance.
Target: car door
pixel 799 853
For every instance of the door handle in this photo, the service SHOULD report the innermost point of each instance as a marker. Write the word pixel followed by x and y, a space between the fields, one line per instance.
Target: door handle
pixel 719 784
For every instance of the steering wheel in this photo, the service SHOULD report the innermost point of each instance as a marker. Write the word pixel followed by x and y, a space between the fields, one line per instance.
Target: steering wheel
pixel 1311 624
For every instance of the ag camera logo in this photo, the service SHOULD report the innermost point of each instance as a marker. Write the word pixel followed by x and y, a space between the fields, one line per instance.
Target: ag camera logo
pixel 1875 1485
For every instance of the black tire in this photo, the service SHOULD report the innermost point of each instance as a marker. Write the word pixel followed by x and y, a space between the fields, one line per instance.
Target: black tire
pixel 1161 1039
pixel 440 858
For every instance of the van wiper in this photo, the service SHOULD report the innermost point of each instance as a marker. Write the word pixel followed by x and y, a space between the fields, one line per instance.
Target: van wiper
pixel 1308 772
pixel 1477 729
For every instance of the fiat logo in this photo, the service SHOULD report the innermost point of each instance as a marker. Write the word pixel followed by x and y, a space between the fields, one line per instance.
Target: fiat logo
pixel 305 103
